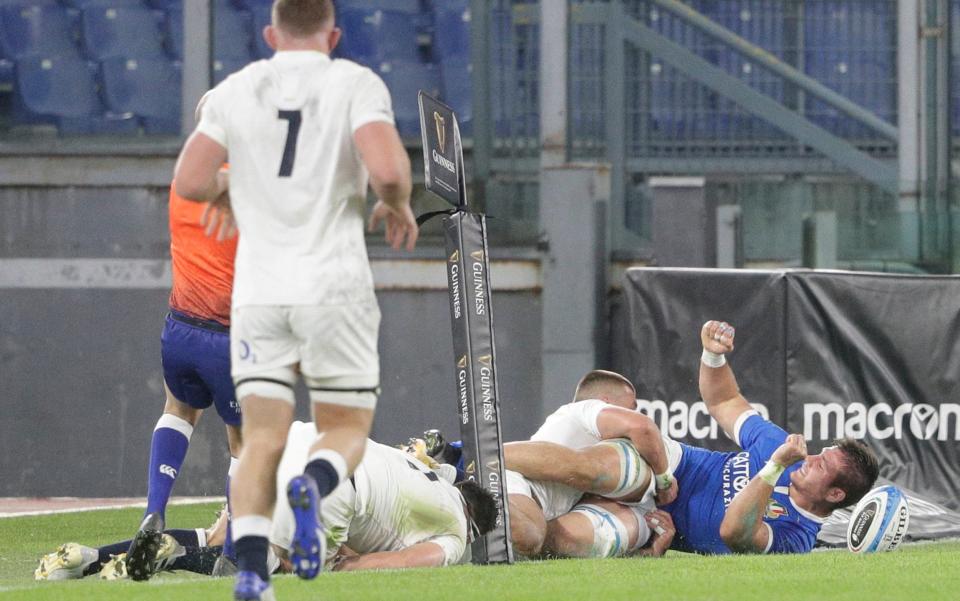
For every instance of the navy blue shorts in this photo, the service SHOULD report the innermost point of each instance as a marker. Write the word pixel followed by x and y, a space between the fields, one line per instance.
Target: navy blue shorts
pixel 196 365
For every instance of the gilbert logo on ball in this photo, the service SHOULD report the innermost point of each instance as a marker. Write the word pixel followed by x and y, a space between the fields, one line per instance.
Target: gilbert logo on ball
pixel 879 521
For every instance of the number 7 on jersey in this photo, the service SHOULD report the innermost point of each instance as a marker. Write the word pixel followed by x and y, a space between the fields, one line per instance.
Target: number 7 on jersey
pixel 293 119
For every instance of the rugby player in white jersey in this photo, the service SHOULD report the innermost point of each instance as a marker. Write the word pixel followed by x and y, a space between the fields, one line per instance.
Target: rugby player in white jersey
pixel 304 134
pixel 603 411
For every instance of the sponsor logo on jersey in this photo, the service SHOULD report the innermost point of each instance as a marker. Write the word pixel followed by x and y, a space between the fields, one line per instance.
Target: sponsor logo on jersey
pixel 167 470
pixel 736 476
pixel 775 510
pixel 825 421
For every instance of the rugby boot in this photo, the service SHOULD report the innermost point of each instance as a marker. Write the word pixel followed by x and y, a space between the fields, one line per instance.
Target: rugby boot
pixel 142 554
pixel 309 546
pixel 223 567
pixel 250 587
pixel 67 562
pixel 115 569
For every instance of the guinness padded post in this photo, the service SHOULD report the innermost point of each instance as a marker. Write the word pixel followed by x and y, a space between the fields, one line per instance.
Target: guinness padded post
pixel 471 317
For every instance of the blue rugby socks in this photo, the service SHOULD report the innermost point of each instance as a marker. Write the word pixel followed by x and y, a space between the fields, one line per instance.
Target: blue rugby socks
pixel 171 438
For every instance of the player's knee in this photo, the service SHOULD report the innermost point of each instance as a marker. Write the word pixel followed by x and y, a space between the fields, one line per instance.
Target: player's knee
pixel 174 406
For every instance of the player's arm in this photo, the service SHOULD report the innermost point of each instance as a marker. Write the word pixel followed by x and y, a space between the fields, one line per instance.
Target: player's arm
pixel 197 175
pixel 718 386
pixel 743 529
pixel 421 555
pixel 386 159
pixel 615 422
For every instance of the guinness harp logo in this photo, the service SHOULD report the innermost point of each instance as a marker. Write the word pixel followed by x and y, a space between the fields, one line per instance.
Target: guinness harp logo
pixel 462 362
pixel 484 360
pixel 455 256
pixel 477 255
pixel 441 123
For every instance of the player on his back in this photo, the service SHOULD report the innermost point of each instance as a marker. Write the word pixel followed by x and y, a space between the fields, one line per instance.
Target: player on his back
pixel 195 353
pixel 303 132
pixel 771 497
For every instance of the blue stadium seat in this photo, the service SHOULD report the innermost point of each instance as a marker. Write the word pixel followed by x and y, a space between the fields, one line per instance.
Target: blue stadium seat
pixel 457 79
pixel 147 87
pixel 224 67
pixel 763 25
pixel 109 31
pixel 83 4
pixel 372 37
pixel 63 91
pixel 37 30
pixel 411 7
pixel 405 79
pixel 451 37
pixel 231 33
pixel 260 13
pixel 850 46
pixel 27 2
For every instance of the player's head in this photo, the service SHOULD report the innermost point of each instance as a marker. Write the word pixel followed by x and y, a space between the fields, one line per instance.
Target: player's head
pixel 480 504
pixel 839 475
pixel 302 25
pixel 607 386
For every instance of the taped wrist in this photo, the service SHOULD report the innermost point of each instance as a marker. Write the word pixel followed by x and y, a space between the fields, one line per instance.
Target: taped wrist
pixel 771 472
pixel 664 480
pixel 713 359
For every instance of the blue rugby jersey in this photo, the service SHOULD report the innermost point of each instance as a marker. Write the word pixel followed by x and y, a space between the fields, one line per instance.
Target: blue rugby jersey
pixel 709 480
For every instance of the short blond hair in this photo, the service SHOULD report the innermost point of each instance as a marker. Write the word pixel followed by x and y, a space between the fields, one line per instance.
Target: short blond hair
pixel 601 382
pixel 302 18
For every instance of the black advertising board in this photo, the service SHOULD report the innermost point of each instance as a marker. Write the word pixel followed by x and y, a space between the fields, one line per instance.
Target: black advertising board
pixel 442 150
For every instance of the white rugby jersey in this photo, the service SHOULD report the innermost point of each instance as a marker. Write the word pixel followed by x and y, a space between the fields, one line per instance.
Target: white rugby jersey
pixel 393 502
pixel 573 425
pixel 297 184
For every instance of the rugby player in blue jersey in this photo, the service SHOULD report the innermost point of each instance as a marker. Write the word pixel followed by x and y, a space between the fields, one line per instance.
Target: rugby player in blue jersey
pixel 770 497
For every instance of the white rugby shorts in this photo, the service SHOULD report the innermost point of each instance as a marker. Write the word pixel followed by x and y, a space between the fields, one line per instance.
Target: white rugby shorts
pixel 335 348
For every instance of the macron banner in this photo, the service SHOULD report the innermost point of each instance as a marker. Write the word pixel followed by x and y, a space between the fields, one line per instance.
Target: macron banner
pixel 825 354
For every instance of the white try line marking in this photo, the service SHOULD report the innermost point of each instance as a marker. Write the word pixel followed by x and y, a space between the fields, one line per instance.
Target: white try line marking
pixel 86 508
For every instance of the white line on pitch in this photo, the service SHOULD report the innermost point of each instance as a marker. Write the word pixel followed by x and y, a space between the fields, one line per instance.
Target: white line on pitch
pixel 180 501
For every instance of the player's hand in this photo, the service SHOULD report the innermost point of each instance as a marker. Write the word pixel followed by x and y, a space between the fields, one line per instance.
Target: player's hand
pixel 401 224
pixel 217 220
pixel 662 531
pixel 717 337
pixel 667 495
pixel 793 449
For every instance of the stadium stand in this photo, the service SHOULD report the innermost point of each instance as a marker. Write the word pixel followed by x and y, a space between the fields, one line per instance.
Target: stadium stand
pixel 63 91
pixel 405 79
pixel 115 31
pixel 456 76
pixel 145 87
pixel 374 36
pixel 37 30
pixel 451 26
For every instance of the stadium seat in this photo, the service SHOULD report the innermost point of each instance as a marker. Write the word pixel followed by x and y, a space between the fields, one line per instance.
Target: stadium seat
pixel 373 37
pixel 405 79
pixel 224 67
pixel 84 4
pixel 63 91
pixel 457 79
pixel 451 31
pixel 850 46
pixel 109 31
pixel 231 33
pixel 147 87
pixel 27 30
pixel 260 14
pixel 410 7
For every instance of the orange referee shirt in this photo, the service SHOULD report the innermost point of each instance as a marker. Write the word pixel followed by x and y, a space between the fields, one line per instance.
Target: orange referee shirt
pixel 202 266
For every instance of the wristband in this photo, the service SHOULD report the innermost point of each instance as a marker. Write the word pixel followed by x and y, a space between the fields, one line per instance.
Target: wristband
pixel 771 473
pixel 713 359
pixel 664 480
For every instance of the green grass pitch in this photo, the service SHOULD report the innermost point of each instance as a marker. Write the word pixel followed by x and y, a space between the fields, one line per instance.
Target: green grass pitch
pixel 912 573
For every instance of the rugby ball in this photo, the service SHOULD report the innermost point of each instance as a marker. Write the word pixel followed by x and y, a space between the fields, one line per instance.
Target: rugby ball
pixel 879 521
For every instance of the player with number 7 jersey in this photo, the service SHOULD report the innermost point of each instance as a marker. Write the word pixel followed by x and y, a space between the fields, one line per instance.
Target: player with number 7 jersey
pixel 305 134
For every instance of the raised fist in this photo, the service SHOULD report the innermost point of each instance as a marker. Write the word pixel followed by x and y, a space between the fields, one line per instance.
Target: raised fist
pixel 717 337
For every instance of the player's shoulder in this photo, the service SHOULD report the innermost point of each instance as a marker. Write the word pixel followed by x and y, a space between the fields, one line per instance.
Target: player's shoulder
pixel 347 70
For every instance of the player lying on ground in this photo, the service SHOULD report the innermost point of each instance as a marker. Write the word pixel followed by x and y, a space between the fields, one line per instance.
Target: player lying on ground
pixel 770 497
pixel 394 513
pixel 602 411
